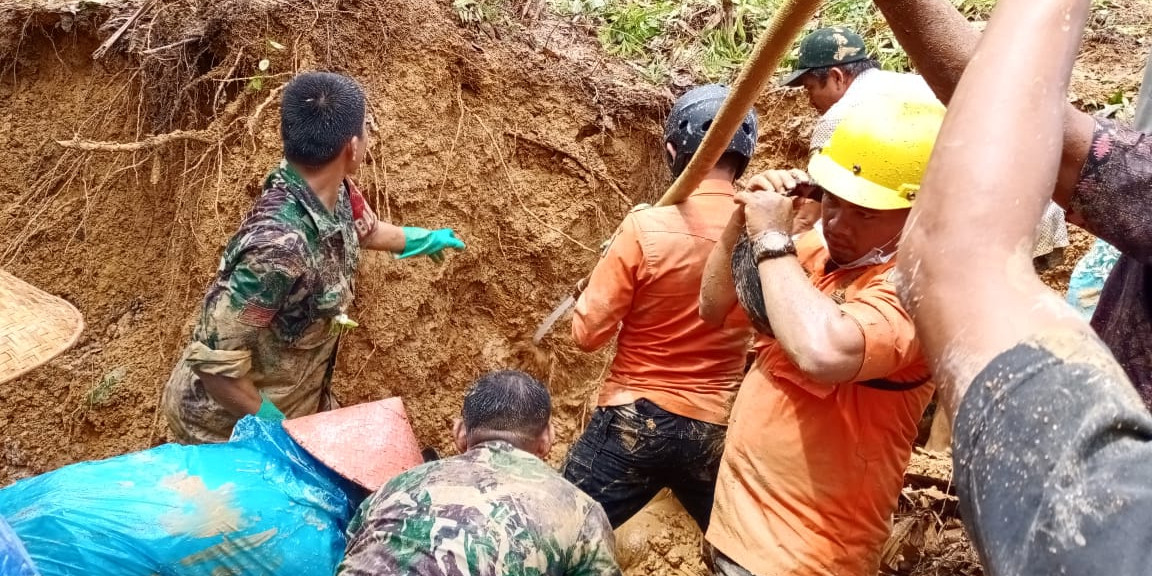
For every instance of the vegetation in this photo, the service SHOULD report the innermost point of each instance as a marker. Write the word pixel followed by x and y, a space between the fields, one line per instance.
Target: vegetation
pixel 685 42
pixel 477 12
pixel 103 391
pixel 709 39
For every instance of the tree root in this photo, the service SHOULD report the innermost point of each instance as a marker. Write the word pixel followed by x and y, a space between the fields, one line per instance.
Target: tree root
pixel 601 174
pixel 205 136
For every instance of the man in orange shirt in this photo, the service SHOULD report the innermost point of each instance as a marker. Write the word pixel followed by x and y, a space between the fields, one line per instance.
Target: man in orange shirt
pixel 823 427
pixel 663 409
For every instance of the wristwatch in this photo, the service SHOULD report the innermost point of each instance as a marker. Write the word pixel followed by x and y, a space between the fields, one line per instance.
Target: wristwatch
pixel 772 244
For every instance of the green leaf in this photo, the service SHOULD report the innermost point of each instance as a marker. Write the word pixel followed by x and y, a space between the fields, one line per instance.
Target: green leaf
pixel 276 45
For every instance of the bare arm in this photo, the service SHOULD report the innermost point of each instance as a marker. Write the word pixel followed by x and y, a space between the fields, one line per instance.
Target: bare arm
pixel 385 237
pixel 238 396
pixel 941 42
pixel 826 344
pixel 717 289
pixel 973 300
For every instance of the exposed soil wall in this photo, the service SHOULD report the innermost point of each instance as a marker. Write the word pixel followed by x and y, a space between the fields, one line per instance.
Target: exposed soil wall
pixel 532 152
pixel 531 155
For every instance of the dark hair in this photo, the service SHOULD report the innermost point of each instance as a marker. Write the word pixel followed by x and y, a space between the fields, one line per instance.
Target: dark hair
pixel 319 113
pixel 507 401
pixel 733 162
pixel 851 69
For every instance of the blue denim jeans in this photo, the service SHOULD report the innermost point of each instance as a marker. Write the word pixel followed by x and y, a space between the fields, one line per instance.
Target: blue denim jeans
pixel 629 453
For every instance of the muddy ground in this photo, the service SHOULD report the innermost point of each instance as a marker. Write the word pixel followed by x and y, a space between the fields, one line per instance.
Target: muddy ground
pixel 124 174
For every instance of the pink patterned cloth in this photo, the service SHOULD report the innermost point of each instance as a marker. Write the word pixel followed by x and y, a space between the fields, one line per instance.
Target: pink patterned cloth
pixel 1114 201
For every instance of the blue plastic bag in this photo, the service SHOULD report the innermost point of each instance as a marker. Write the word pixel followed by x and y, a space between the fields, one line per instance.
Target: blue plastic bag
pixel 257 505
pixel 1088 277
pixel 14 560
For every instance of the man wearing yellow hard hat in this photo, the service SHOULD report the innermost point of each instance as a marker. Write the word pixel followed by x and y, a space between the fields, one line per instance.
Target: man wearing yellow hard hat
pixel 824 422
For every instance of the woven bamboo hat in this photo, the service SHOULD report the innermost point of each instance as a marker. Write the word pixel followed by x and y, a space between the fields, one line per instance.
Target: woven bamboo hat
pixel 35 326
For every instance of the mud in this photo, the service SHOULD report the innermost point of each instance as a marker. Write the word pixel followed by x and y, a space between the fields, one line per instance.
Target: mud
pixel 528 141
pixel 661 539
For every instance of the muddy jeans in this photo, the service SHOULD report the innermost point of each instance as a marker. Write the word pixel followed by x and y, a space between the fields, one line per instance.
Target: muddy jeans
pixel 629 453
pixel 724 566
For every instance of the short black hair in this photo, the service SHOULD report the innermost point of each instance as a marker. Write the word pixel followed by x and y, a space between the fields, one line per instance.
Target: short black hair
pixel 851 69
pixel 319 113
pixel 507 401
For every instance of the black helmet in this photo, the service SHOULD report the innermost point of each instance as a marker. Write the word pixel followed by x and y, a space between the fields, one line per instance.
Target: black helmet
pixel 689 120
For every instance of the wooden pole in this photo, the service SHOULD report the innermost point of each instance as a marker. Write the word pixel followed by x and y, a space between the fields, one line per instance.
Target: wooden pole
pixel 782 31
pixel 786 25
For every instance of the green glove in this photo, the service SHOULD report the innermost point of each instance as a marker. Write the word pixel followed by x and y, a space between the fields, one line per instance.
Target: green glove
pixel 268 410
pixel 421 241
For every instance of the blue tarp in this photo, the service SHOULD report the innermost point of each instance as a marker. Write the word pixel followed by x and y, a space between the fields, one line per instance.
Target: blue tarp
pixel 14 559
pixel 257 505
pixel 1088 277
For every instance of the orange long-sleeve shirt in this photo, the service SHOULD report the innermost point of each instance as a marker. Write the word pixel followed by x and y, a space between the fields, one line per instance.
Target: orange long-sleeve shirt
pixel 647 286
pixel 811 472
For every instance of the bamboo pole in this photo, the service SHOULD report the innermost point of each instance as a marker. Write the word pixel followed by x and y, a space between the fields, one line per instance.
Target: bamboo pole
pixel 786 25
pixel 782 31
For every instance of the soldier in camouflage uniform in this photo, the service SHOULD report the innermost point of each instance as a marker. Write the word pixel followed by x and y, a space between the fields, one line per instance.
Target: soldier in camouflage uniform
pixel 267 334
pixel 495 510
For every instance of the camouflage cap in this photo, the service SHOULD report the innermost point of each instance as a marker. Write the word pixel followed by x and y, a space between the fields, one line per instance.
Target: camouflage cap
pixel 827 47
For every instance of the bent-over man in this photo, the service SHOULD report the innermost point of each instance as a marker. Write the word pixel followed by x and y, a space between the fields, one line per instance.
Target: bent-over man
pixel 496 509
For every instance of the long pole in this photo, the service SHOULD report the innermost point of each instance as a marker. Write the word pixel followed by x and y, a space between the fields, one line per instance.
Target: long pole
pixel 776 40
pixel 782 31
pixel 1143 119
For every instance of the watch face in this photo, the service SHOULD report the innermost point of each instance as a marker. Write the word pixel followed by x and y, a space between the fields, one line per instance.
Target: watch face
pixel 773 242
pixel 773 245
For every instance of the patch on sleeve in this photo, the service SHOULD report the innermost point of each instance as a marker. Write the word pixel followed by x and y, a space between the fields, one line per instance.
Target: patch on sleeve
pixel 363 217
pixel 256 315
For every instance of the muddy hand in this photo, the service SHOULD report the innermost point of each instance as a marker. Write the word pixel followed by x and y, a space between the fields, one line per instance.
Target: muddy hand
pixel 797 184
pixel 779 181
pixel 766 212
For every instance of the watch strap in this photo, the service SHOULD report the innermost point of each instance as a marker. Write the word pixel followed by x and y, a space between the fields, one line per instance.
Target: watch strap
pixel 770 245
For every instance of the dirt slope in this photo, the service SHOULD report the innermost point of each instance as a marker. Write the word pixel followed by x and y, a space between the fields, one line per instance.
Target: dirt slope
pixel 531 155
pixel 532 151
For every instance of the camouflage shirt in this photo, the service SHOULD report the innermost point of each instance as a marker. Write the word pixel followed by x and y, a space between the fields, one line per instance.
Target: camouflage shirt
pixel 268 315
pixel 493 511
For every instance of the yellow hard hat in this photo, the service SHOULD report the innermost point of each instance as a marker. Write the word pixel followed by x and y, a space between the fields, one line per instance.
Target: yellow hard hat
pixel 877 154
